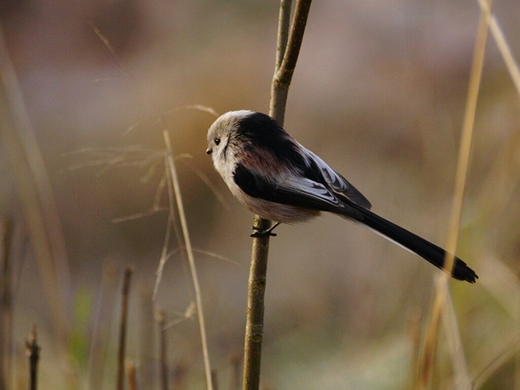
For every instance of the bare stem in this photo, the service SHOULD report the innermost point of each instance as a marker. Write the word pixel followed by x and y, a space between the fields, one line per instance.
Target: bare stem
pixel 33 354
pixel 163 359
pixel 191 259
pixel 214 379
pixel 284 70
pixel 287 55
pixel 442 291
pixel 6 232
pixel 132 376
pixel 122 329
pixel 102 321
pixel 35 192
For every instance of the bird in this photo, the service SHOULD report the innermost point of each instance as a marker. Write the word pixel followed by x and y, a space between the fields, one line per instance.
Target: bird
pixel 275 177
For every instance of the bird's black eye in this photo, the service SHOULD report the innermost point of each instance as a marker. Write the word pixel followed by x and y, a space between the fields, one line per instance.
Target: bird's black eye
pixel 217 141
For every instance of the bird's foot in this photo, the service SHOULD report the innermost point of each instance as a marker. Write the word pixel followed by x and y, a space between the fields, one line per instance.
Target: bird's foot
pixel 264 233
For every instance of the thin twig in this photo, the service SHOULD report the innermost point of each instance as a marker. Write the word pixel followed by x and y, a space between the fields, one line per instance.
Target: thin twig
pixel 442 290
pixel 214 379
pixel 503 46
pixel 102 323
pixel 131 373
pixel 36 196
pixel 191 259
pixel 284 71
pixel 288 49
pixel 123 329
pixel 163 352
pixel 283 33
pixel 6 235
pixel 161 116
pixel 187 315
pixel 106 42
pixel 234 384
pixel 33 354
pixel 164 257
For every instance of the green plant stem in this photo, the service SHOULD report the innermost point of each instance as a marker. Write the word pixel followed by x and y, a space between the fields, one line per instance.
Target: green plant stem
pixel 287 54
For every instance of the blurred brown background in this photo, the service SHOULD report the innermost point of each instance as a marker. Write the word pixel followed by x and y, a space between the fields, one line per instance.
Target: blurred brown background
pixel 379 93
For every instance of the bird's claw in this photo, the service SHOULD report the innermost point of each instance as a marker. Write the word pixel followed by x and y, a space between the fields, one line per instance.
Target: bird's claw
pixel 264 232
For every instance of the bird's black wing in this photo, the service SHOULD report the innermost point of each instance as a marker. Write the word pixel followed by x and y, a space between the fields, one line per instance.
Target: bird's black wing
pixel 292 190
pixel 318 170
pixel 303 192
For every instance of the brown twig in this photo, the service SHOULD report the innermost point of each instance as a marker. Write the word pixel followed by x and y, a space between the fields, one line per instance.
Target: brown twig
pixel 175 188
pixel 284 70
pixel 131 373
pixel 287 55
pixel 123 328
pixel 163 358
pixel 6 232
pixel 33 354
pixel 36 196
pixel 147 331
pixel 235 372
pixel 214 379
pixel 102 325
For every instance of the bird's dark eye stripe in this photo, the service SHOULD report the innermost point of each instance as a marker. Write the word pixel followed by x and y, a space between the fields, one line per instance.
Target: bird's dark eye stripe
pixel 217 141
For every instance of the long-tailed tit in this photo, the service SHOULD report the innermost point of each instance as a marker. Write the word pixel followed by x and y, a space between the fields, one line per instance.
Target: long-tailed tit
pixel 274 176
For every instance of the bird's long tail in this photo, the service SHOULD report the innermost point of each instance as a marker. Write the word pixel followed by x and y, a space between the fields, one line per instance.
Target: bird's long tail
pixel 427 250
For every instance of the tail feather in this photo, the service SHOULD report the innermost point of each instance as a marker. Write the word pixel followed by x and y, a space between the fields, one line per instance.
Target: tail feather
pixel 427 250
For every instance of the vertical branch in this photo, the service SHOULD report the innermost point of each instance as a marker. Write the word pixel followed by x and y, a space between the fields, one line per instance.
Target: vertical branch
pixel 214 379
pixel 35 192
pixel 163 359
pixel 172 176
pixel 283 32
pixel 147 350
pixel 234 384
pixel 6 232
pixel 102 322
pixel 255 308
pixel 122 329
pixel 442 291
pixel 132 376
pixel 288 49
pixel 33 354
pixel 285 69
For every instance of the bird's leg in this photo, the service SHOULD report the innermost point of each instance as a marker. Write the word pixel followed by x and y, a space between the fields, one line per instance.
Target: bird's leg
pixel 265 232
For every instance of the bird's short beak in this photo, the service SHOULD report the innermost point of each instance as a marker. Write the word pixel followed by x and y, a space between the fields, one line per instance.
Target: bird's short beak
pixel 209 150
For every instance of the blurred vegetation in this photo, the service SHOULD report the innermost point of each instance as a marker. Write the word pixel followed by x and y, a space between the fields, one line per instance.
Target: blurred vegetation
pixel 379 93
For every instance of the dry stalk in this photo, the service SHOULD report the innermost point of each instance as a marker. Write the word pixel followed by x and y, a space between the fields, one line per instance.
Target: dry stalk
pixel 123 329
pixel 163 352
pixel 33 354
pixel 6 232
pixel 102 322
pixel 442 290
pixel 288 49
pixel 174 182
pixel 36 196
pixel 131 373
